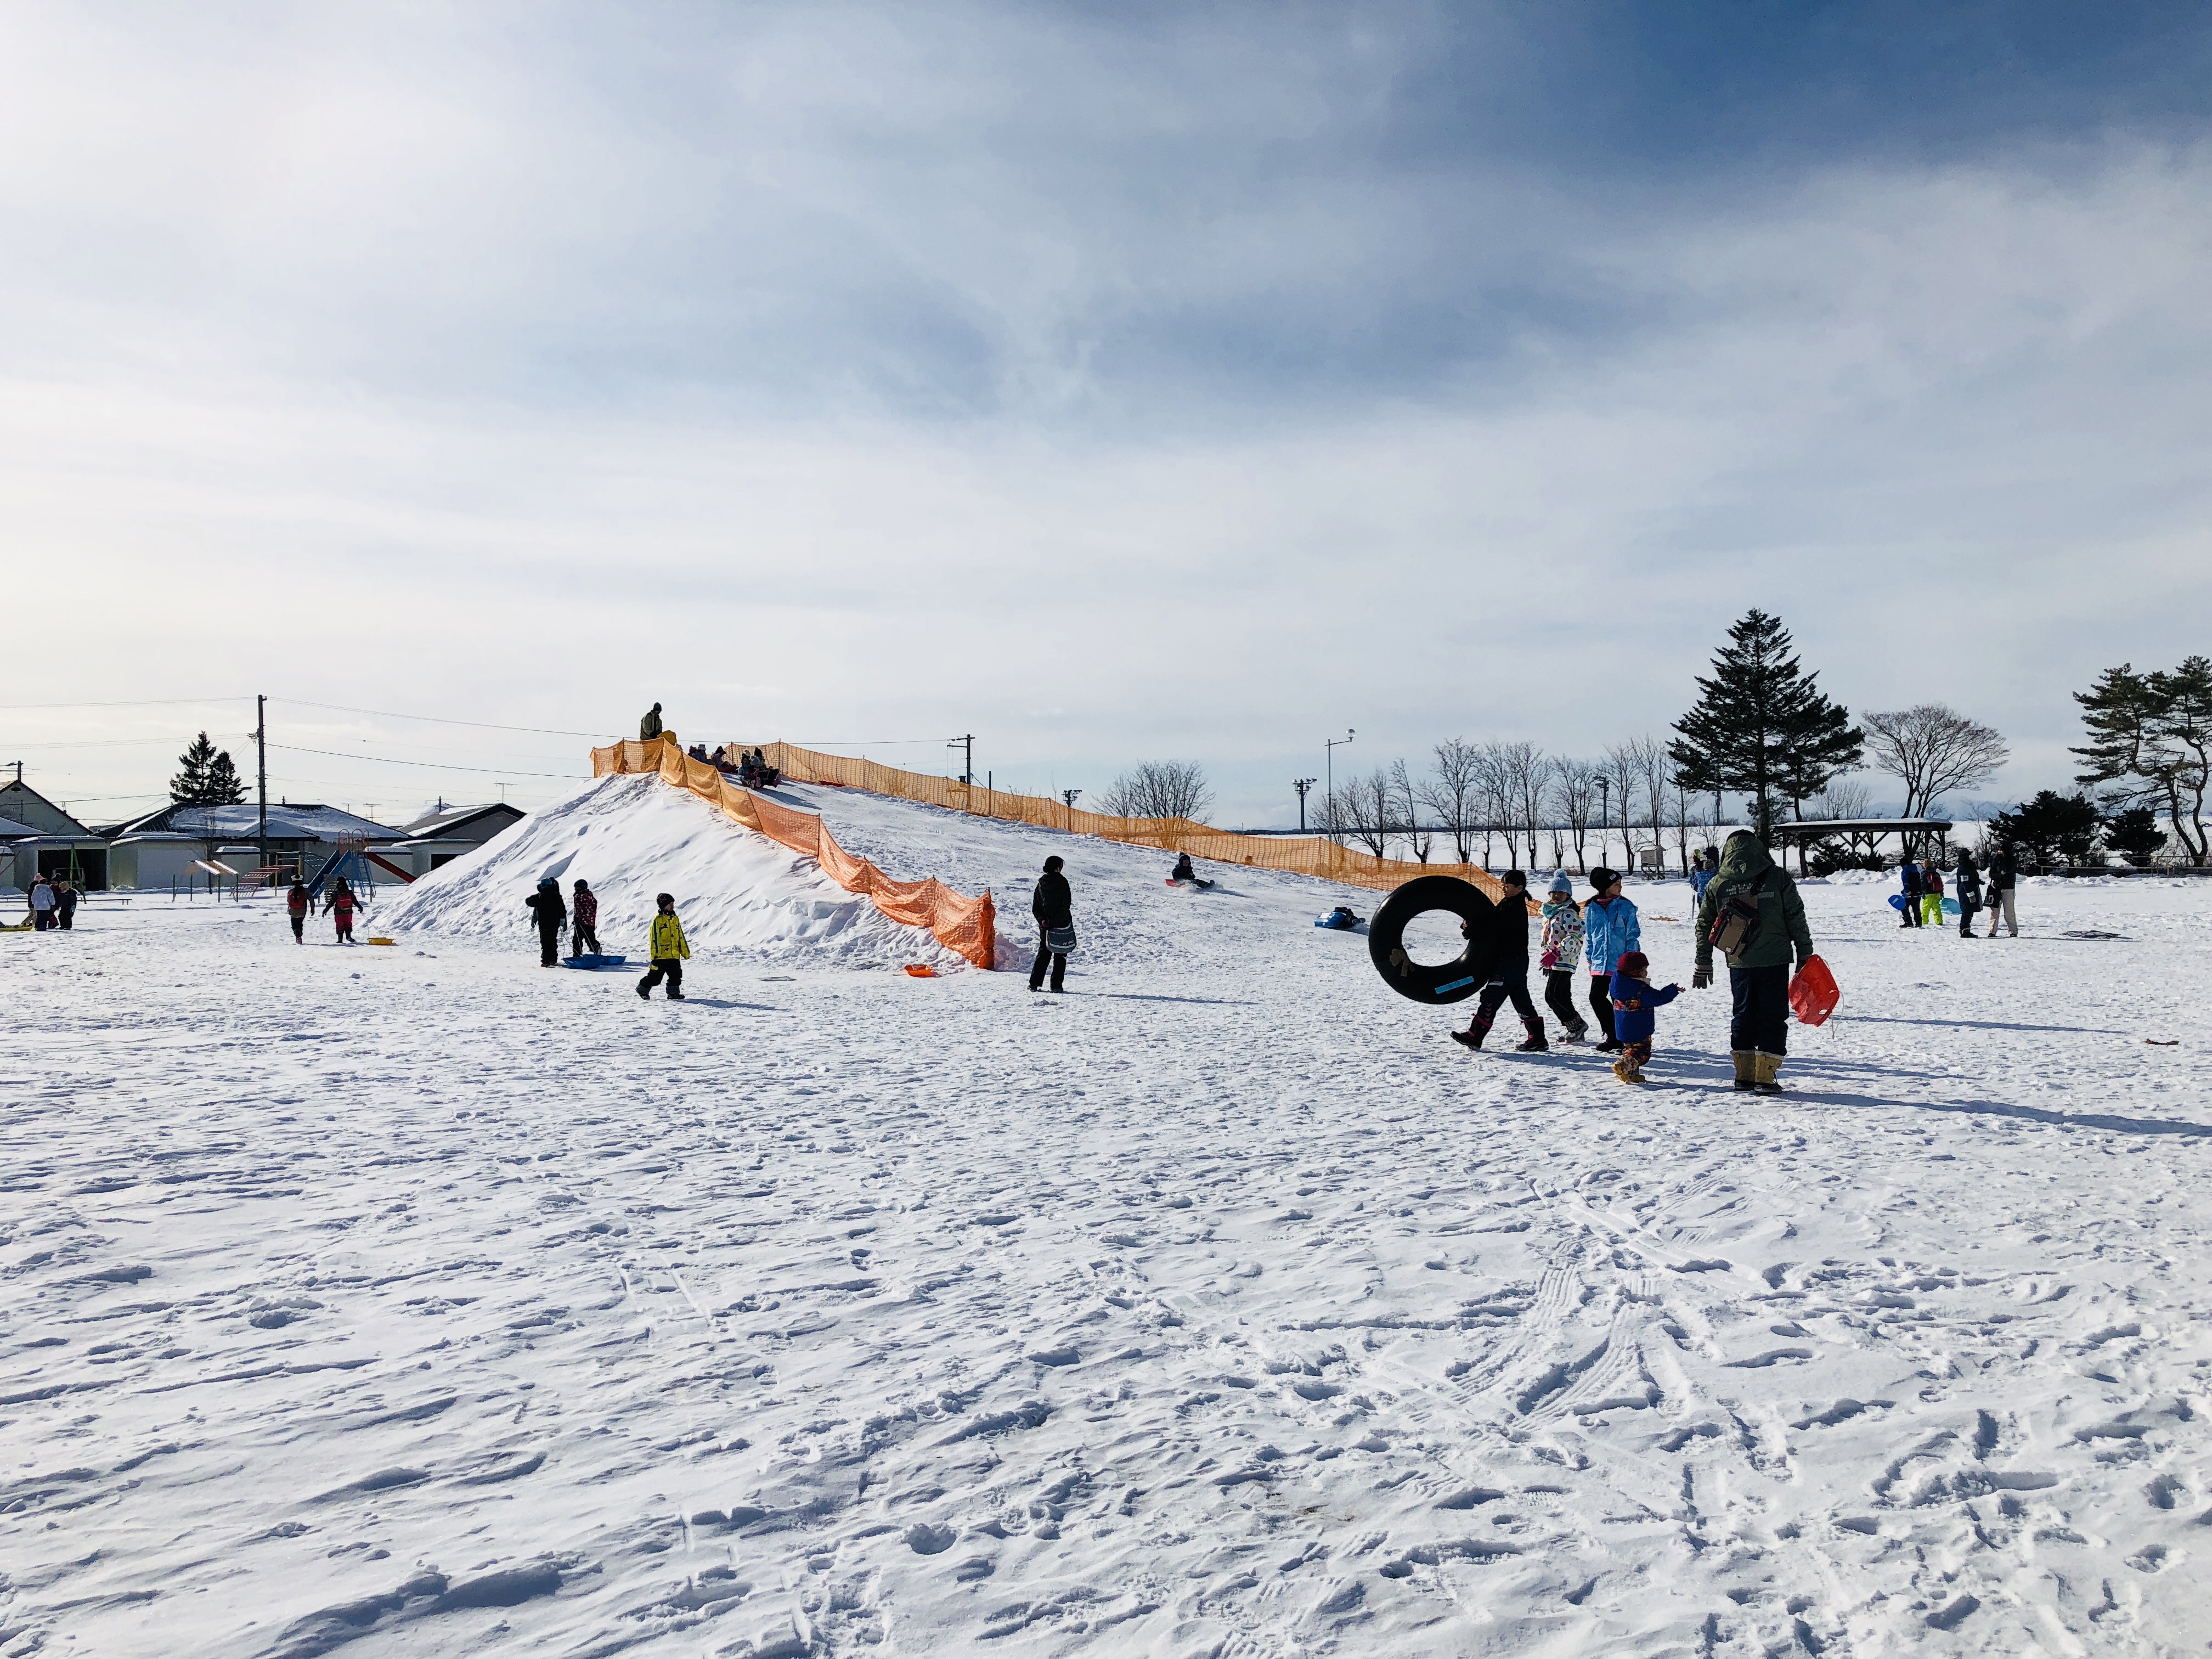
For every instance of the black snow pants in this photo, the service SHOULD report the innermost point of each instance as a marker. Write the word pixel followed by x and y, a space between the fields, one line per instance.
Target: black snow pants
pixel 299 926
pixel 1761 1019
pixel 548 943
pixel 1602 1005
pixel 586 934
pixel 674 968
pixel 1056 959
pixel 1559 998
pixel 1514 985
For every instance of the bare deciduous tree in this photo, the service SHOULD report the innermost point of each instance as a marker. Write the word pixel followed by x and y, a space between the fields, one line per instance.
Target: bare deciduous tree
pixel 1160 789
pixel 1574 794
pixel 1406 811
pixel 1933 749
pixel 1367 810
pixel 1453 792
pixel 1522 770
pixel 1845 798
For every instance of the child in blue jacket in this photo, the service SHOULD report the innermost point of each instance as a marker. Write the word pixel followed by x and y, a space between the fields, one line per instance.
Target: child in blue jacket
pixel 1633 1016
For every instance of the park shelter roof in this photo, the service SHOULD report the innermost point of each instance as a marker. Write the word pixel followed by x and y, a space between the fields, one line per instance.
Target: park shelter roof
pixel 1818 828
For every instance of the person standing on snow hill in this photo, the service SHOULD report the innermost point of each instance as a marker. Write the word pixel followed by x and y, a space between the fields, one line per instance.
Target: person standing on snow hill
pixel 2003 873
pixel 1968 882
pixel 552 917
pixel 42 906
pixel 297 904
pixel 1509 971
pixel 1611 929
pixel 1054 906
pixel 1751 884
pixel 341 908
pixel 649 727
pixel 584 908
pixel 1634 1013
pixel 1909 879
pixel 1560 948
pixel 669 949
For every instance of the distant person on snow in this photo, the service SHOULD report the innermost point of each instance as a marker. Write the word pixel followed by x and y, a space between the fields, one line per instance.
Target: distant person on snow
pixel 1709 860
pixel 1054 906
pixel 1909 880
pixel 1344 918
pixel 584 909
pixel 2003 873
pixel 1509 971
pixel 1968 885
pixel 1932 892
pixel 1767 920
pixel 1560 948
pixel 1634 1013
pixel 1182 872
pixel 1611 929
pixel 669 949
pixel 66 898
pixel 42 905
pixel 341 907
pixel 296 905
pixel 552 917
pixel 649 728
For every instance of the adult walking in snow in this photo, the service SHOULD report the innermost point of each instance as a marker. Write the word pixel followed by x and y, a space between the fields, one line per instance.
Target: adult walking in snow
pixel 42 905
pixel 552 917
pixel 1909 879
pixel 342 906
pixel 1766 924
pixel 668 948
pixel 1509 971
pixel 649 727
pixel 1054 906
pixel 2004 872
pixel 296 905
pixel 1560 954
pixel 584 910
pixel 1611 929
pixel 66 898
pixel 1968 884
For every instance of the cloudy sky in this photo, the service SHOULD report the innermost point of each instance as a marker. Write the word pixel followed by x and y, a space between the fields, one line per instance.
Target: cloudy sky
pixel 1113 383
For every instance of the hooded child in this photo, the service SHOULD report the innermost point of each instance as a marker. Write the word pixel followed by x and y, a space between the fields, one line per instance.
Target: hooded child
pixel 1635 1014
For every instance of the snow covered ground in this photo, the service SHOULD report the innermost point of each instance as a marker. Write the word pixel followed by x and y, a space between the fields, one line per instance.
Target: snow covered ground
pixel 418 1300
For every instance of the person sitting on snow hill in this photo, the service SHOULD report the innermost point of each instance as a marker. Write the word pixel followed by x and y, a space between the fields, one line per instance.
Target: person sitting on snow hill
pixel 1758 966
pixel 1182 872
pixel 1611 929
pixel 584 914
pixel 668 948
pixel 1635 1017
pixel 1559 951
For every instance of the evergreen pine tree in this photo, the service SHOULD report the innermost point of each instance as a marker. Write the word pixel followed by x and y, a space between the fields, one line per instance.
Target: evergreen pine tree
pixel 2152 733
pixel 224 786
pixel 1762 726
pixel 208 778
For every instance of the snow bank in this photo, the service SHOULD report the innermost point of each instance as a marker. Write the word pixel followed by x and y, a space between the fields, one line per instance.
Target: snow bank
pixel 632 837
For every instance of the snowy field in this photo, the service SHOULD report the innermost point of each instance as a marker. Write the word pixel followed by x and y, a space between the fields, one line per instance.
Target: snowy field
pixel 420 1301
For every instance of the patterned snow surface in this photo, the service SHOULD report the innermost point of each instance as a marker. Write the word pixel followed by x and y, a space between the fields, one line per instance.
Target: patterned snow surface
pixel 421 1301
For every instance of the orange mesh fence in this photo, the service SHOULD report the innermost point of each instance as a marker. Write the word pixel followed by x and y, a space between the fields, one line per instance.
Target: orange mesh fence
pixel 1306 856
pixel 961 924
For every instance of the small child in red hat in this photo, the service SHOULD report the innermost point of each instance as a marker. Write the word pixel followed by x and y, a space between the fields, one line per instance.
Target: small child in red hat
pixel 1633 1016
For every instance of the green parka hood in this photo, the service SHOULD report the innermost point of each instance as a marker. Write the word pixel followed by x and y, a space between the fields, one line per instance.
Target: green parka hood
pixel 1780 929
pixel 1743 860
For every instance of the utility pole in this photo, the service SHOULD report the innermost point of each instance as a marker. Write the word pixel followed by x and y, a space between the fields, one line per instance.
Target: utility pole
pixel 261 753
pixel 968 772
pixel 1302 785
pixel 1329 800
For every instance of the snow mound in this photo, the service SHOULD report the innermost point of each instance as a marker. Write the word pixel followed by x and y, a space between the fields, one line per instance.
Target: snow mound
pixel 632 837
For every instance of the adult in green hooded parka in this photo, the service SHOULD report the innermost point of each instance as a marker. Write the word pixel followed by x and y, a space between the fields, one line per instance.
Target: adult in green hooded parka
pixel 1758 970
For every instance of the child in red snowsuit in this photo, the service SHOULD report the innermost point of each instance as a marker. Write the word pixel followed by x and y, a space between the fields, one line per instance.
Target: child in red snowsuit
pixel 295 901
pixel 342 908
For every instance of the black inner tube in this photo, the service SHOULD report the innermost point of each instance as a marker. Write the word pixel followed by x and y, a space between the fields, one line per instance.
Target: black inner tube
pixel 1449 981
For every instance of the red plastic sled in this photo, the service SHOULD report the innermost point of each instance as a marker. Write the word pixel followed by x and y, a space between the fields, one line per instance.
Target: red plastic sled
pixel 1813 994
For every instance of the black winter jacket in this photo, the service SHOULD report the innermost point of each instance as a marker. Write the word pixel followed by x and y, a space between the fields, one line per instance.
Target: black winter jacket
pixel 546 900
pixel 1053 904
pixel 1509 937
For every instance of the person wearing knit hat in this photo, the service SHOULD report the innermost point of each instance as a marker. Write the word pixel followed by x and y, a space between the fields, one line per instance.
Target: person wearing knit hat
pixel 1509 971
pixel 1610 930
pixel 1634 1003
pixel 1560 952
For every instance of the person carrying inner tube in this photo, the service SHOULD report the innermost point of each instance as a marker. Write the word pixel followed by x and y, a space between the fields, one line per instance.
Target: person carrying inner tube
pixel 1611 930
pixel 1509 973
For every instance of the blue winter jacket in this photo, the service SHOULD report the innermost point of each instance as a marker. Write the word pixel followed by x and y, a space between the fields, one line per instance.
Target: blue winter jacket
pixel 1633 1015
pixel 1910 880
pixel 1610 931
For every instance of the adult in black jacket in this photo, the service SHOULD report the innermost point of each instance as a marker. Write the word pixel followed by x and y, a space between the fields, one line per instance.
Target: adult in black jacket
pixel 552 917
pixel 1509 971
pixel 1054 906
pixel 1909 880
pixel 2003 874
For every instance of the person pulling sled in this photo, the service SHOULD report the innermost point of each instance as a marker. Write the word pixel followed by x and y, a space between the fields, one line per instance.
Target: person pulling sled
pixel 584 920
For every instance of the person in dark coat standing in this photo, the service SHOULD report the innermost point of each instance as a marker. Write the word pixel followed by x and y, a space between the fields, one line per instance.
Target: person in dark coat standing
pixel 2003 874
pixel 66 898
pixel 649 727
pixel 1758 966
pixel 1909 879
pixel 552 917
pixel 1509 971
pixel 1967 884
pixel 1054 906
pixel 584 907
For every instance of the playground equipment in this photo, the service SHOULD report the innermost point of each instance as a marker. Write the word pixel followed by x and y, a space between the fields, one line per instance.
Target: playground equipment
pixel 356 864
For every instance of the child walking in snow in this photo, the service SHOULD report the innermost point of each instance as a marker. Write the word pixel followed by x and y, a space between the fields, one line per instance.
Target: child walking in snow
pixel 584 919
pixel 295 905
pixel 668 949
pixel 342 908
pixel 1634 1016
pixel 1559 951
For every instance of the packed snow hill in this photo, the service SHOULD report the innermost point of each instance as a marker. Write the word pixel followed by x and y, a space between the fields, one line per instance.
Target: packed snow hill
pixel 417 1299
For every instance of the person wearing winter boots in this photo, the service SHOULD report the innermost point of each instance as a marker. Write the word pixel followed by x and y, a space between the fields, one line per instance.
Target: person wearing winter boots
pixel 1611 929
pixel 1968 884
pixel 584 919
pixel 1635 1017
pixel 342 906
pixel 42 905
pixel 296 905
pixel 1909 879
pixel 1509 971
pixel 1932 892
pixel 1560 953
pixel 1765 921
pixel 66 898
pixel 650 728
pixel 668 948
pixel 552 916
pixel 1182 872
pixel 2003 873
pixel 1054 906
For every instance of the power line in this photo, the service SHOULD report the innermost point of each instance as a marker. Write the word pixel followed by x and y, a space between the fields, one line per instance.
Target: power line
pixel 441 766
pixel 438 720
pixel 135 702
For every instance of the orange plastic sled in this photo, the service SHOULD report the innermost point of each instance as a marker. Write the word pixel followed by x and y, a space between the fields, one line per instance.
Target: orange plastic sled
pixel 1813 994
pixel 922 971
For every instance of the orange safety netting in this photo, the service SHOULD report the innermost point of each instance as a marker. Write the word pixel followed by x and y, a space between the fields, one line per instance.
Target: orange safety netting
pixel 1308 856
pixel 961 924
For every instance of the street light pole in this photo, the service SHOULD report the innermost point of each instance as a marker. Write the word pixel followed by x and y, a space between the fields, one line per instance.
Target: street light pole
pixel 1329 767
pixel 1302 785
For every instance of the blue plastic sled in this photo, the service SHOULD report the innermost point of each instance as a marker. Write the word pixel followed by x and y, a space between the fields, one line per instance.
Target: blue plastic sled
pixel 1950 907
pixel 1896 903
pixel 593 962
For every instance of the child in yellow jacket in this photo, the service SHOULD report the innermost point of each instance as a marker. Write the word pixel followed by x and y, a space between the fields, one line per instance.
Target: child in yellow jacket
pixel 669 950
